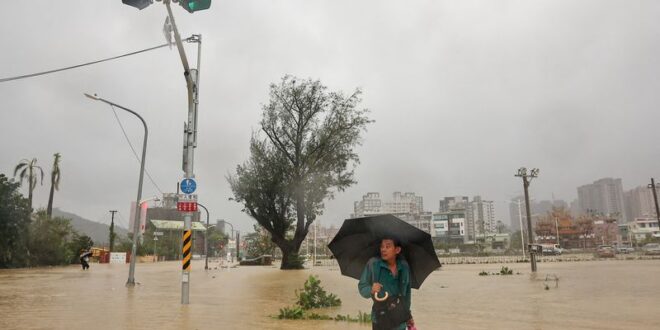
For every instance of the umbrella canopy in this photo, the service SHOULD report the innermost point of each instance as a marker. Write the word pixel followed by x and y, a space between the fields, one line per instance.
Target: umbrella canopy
pixel 359 239
pixel 86 254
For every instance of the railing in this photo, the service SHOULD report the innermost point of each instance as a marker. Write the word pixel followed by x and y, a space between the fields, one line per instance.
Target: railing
pixel 560 258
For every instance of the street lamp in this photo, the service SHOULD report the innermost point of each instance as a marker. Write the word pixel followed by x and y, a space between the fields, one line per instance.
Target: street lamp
pixel 527 178
pixel 206 237
pixel 238 237
pixel 139 207
pixel 232 227
pixel 136 224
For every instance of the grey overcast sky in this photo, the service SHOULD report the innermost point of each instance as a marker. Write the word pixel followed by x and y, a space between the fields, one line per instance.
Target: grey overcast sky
pixel 463 94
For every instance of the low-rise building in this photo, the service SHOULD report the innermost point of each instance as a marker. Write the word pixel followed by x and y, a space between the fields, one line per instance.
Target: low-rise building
pixel 642 228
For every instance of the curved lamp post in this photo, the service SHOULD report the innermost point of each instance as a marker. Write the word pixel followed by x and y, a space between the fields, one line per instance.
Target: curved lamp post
pixel 206 237
pixel 136 224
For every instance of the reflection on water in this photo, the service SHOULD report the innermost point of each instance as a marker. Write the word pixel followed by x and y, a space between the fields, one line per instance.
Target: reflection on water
pixel 590 295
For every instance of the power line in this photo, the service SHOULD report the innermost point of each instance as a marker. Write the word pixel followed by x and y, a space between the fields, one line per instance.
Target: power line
pixel 122 221
pixel 133 149
pixel 80 65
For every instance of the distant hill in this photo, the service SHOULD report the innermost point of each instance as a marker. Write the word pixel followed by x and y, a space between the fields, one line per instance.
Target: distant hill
pixel 97 231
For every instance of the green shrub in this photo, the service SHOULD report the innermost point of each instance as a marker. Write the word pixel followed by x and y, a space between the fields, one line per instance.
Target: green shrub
pixel 506 271
pixel 293 313
pixel 313 295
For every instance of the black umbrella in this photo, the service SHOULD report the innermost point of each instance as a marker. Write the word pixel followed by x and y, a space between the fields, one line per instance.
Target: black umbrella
pixel 359 239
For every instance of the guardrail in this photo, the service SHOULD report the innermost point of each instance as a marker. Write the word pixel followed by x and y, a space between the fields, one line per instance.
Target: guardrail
pixel 520 259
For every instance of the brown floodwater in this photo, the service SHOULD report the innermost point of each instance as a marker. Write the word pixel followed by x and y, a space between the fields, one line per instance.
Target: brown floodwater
pixel 588 295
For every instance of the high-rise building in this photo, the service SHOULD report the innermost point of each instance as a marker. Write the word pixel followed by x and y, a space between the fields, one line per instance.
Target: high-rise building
pixel 453 203
pixel 372 204
pixel 369 205
pixel 604 196
pixel 480 216
pixel 639 203
pixel 407 206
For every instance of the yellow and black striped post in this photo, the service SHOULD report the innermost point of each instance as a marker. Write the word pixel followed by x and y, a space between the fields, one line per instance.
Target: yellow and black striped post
pixel 187 249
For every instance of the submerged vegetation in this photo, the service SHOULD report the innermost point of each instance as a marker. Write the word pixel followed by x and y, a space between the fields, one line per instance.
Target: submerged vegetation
pixel 313 296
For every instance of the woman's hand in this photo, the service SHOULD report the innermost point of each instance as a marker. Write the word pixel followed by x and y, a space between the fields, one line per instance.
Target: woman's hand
pixel 376 287
pixel 411 323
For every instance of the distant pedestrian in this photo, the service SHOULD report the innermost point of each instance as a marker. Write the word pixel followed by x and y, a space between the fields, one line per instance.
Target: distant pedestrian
pixel 84 259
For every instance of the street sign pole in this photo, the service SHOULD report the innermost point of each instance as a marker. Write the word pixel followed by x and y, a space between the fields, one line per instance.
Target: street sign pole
pixel 189 144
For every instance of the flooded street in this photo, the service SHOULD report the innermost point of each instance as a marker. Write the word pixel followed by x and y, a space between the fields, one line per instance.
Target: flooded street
pixel 590 295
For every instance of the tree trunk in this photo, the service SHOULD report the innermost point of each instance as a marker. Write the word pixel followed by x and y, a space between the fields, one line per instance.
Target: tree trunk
pixel 30 188
pixel 290 257
pixel 49 209
pixel 30 199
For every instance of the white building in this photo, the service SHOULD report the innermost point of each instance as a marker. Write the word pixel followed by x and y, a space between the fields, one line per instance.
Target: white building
pixel 641 228
pixel 406 206
pixel 372 204
pixel 449 226
pixel 480 216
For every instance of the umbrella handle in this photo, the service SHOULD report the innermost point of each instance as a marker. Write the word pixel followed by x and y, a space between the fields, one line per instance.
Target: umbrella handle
pixel 381 299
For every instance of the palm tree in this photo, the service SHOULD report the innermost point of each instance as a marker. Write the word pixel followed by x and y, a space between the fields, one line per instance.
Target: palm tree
pixel 28 171
pixel 55 175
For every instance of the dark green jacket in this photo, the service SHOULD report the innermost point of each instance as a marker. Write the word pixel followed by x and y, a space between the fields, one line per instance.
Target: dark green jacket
pixel 392 285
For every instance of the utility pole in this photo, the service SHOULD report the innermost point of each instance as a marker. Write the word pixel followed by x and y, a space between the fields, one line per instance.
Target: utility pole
pixel 111 238
pixel 238 246
pixel 653 188
pixel 522 172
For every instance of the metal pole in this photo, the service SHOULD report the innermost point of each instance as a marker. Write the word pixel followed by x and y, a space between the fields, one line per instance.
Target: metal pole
pixel 136 223
pixel 112 231
pixel 557 226
pixel 530 234
pixel 655 200
pixel 522 231
pixel 238 245
pixel 206 237
pixel 190 140
pixel 155 249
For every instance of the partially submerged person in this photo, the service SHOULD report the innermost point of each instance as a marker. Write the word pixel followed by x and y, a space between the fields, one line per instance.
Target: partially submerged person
pixel 387 279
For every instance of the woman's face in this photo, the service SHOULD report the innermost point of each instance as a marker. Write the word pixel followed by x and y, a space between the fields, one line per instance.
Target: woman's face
pixel 389 251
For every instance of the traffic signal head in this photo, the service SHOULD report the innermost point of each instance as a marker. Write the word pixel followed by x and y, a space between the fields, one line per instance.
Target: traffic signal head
pixel 194 5
pixel 139 4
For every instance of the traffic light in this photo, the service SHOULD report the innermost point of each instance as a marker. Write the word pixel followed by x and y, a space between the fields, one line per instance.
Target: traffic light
pixel 194 5
pixel 139 4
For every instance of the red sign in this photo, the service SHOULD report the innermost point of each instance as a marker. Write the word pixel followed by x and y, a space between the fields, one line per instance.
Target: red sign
pixel 186 206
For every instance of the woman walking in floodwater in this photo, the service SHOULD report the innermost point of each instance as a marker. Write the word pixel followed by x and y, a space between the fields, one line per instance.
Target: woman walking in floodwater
pixel 386 278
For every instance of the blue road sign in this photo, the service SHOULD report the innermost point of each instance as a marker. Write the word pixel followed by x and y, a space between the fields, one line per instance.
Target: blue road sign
pixel 188 186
